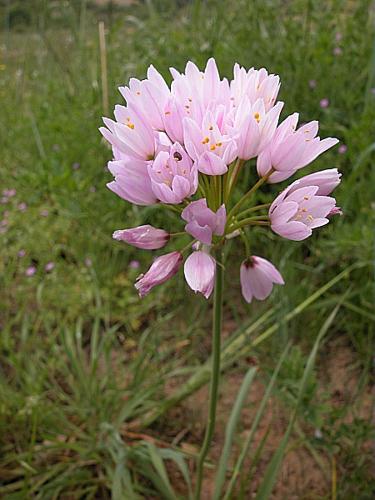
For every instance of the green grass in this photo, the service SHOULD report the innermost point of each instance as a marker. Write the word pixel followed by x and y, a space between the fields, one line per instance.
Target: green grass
pixel 81 356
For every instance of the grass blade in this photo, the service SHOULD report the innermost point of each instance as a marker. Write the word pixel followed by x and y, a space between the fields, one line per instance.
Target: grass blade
pixel 272 470
pixel 249 440
pixel 231 429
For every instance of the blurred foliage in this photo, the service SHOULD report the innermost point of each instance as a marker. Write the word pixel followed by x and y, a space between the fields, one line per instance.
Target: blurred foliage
pixel 53 156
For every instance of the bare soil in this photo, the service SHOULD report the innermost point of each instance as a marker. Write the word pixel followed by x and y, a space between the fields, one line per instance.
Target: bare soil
pixel 301 476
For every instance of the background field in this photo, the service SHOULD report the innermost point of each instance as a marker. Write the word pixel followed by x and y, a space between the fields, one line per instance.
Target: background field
pixel 82 358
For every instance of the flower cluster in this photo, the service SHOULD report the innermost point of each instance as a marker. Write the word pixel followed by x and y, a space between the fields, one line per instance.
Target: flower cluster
pixel 185 147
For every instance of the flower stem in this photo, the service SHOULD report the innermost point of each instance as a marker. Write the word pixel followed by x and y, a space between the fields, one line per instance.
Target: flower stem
pixel 232 179
pixel 253 209
pixel 215 371
pixel 251 221
pixel 247 195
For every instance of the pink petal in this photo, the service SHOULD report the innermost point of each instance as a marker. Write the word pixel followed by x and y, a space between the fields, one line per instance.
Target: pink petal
pixel 199 270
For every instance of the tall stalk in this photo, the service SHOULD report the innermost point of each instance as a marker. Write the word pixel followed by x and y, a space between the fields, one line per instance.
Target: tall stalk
pixel 215 370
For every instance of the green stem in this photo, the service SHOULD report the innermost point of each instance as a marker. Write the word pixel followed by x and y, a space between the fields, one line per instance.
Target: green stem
pixel 253 209
pixel 247 195
pixel 215 371
pixel 251 221
pixel 232 179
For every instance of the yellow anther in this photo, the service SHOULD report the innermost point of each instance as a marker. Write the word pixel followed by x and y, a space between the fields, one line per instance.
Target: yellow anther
pixel 257 117
pixel 212 147
pixel 218 144
pixel 205 140
pixel 310 217
pixel 167 113
pixel 306 197
pixel 304 210
pixel 130 125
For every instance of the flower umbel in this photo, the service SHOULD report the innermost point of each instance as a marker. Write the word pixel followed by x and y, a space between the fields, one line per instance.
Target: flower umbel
pixel 187 145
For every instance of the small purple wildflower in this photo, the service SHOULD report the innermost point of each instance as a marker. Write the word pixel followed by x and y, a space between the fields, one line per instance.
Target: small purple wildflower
pixel 30 271
pixel 49 266
pixel 134 264
pixel 324 103
pixel 342 149
pixel 22 207
pixel 9 193
pixel 337 51
pixel 21 253
pixel 44 213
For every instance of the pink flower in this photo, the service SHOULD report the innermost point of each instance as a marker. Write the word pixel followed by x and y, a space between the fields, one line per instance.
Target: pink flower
pixel 199 270
pixel 49 266
pixel 325 180
pixel 298 210
pixel 173 175
pixel 9 193
pixel 202 222
pixel 161 270
pixel 22 207
pixel 254 84
pixel 192 94
pixel 257 276
pixel 134 264
pixel 146 237
pixel 30 271
pixel 292 149
pixel 148 96
pixel 342 149
pixel 21 253
pixel 324 103
pixel 337 51
pixel 254 127
pixel 131 134
pixel 132 182
pixel 44 213
pixel 210 149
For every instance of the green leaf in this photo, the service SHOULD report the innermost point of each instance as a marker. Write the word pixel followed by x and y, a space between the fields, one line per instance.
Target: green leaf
pixel 272 470
pixel 259 414
pixel 230 431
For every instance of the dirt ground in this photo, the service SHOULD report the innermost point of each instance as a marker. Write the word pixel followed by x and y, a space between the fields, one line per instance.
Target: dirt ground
pixel 301 476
